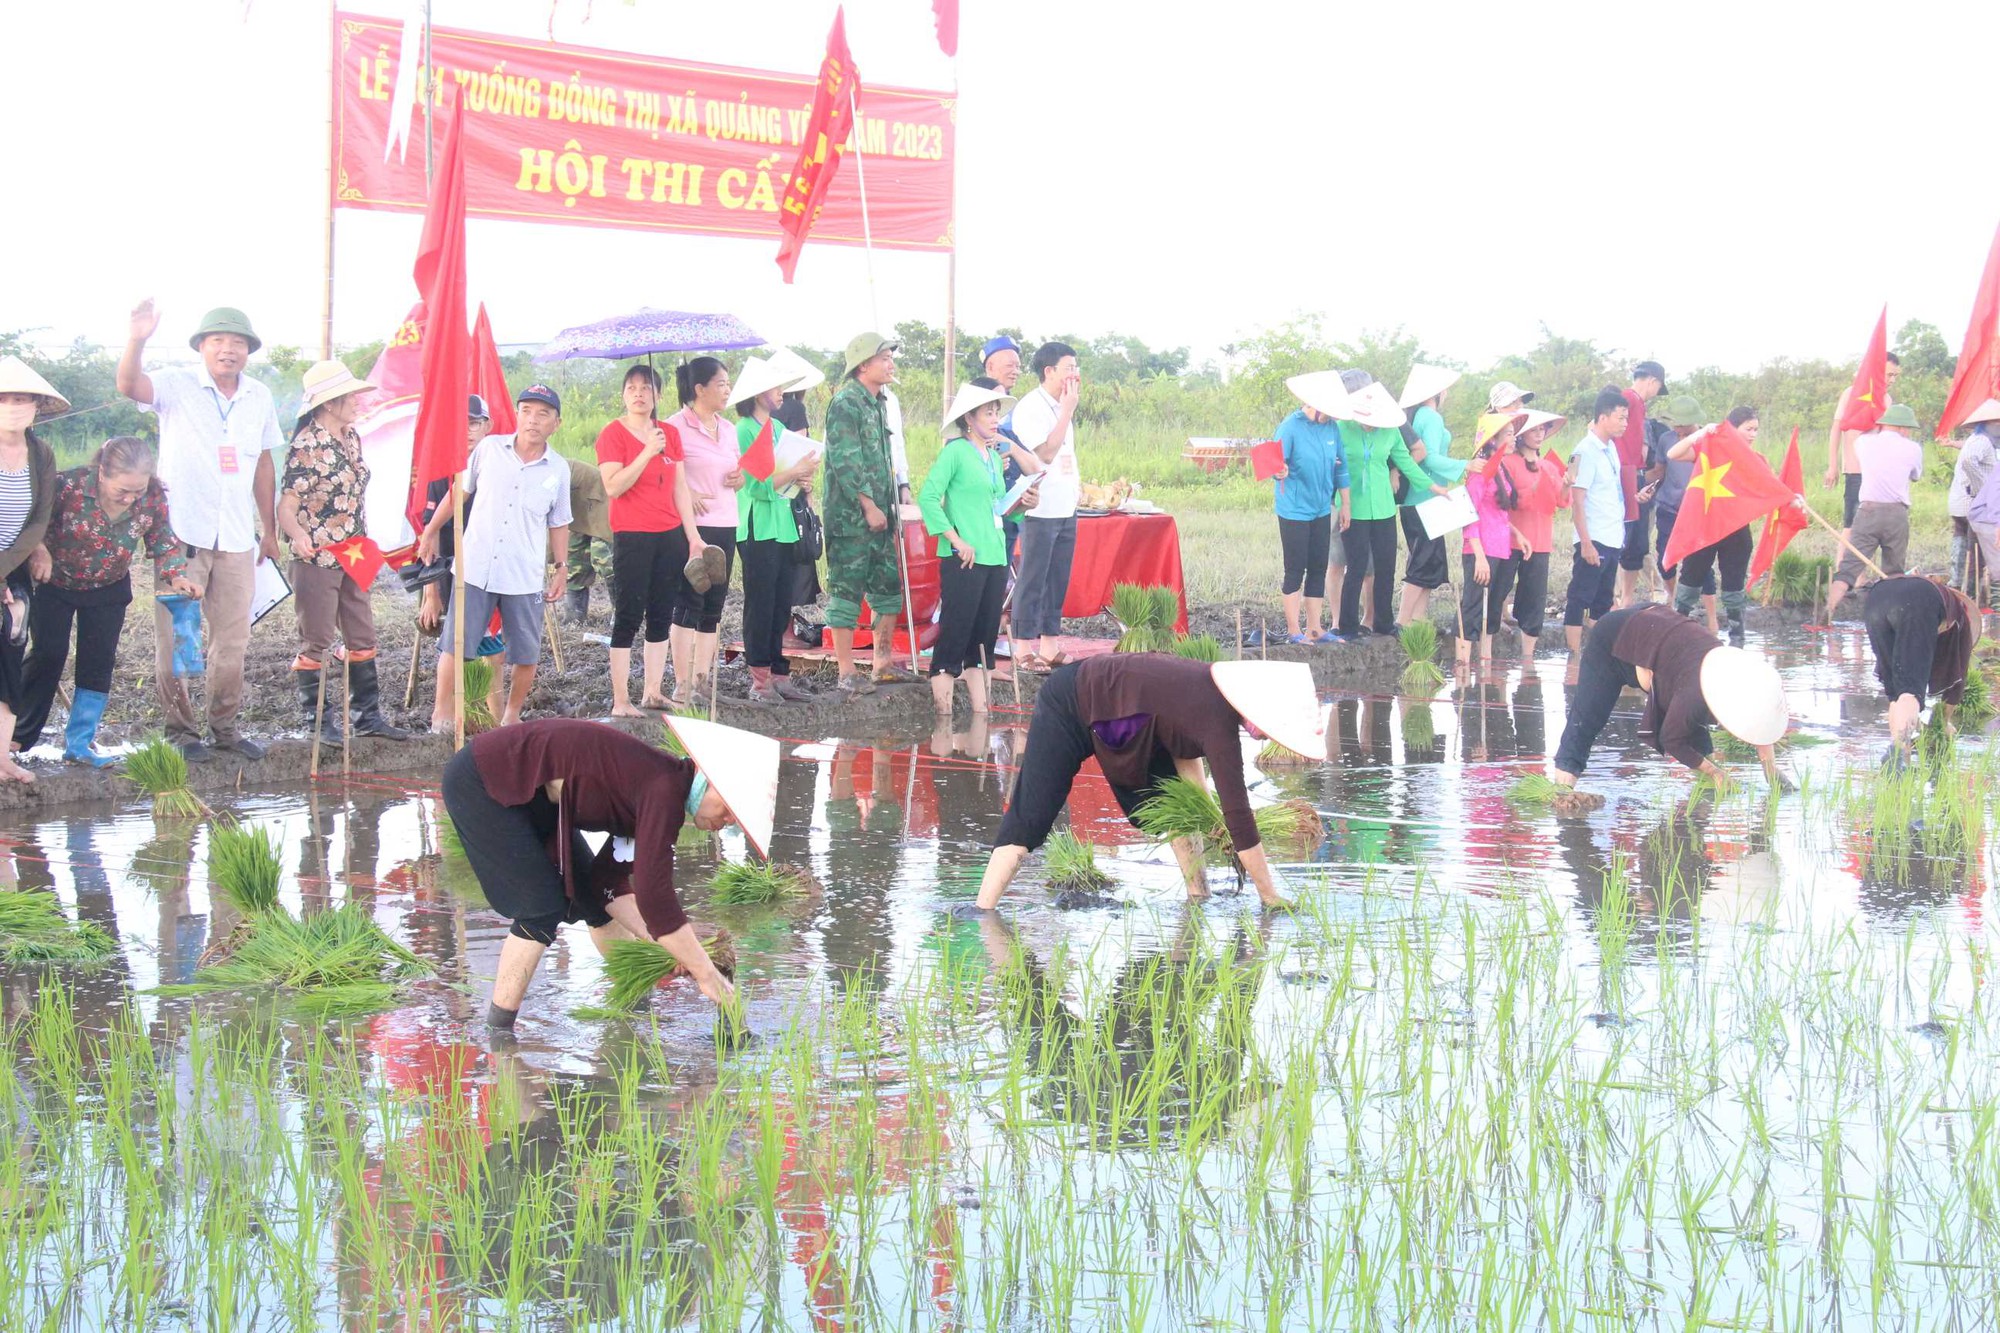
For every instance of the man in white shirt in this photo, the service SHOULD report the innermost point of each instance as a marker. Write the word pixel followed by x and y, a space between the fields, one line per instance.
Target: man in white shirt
pixel 1597 507
pixel 1891 458
pixel 523 512
pixel 218 428
pixel 1043 423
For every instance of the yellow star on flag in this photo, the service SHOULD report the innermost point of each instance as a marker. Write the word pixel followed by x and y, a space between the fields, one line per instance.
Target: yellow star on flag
pixel 1711 481
pixel 351 554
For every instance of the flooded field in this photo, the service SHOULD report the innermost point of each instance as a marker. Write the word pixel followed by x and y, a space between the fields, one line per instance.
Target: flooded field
pixel 1696 1060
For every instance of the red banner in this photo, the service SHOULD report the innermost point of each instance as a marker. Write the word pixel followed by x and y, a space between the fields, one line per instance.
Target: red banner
pixel 830 124
pixel 572 135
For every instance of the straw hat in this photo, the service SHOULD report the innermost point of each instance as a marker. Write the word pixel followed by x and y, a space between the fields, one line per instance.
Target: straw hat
pixel 1555 421
pixel 1986 411
pixel 810 376
pixel 741 767
pixel 17 376
pixel 1508 394
pixel 758 378
pixel 1744 695
pixel 1425 383
pixel 971 397
pixel 1278 699
pixel 1374 408
pixel 326 381
pixel 1492 423
pixel 1322 391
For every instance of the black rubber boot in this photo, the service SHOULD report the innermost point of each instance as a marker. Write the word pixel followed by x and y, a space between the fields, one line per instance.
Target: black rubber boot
pixel 365 703
pixel 309 704
pixel 579 605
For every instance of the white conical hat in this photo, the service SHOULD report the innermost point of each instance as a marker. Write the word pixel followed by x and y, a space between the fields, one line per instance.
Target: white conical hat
pixel 1372 406
pixel 1986 411
pixel 759 377
pixel 1425 383
pixel 1322 391
pixel 1555 421
pixel 1278 699
pixel 973 396
pixel 1745 695
pixel 17 376
pixel 742 767
pixel 810 375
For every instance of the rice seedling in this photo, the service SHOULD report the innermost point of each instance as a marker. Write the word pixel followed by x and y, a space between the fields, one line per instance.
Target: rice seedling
pixel 1274 755
pixel 759 883
pixel 1146 616
pixel 1419 727
pixel 243 866
pixel 1977 707
pixel 1742 752
pixel 476 676
pixel 342 955
pixel 1420 645
pixel 1534 791
pixel 1796 578
pixel 161 771
pixel 33 929
pixel 1199 647
pixel 1183 809
pixel 637 966
pixel 1072 863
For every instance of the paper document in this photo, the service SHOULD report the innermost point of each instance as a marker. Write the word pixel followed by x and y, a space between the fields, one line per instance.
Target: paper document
pixel 793 446
pixel 268 590
pixel 1447 513
pixel 1017 490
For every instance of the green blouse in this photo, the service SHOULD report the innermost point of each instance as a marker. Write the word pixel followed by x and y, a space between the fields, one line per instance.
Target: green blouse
pixel 761 512
pixel 962 494
pixel 1369 454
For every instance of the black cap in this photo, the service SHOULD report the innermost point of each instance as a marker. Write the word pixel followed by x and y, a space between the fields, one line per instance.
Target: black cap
pixel 540 393
pixel 1652 370
pixel 1355 380
pixel 475 409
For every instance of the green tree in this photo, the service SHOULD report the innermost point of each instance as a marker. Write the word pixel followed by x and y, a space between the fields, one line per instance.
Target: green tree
pixel 1923 350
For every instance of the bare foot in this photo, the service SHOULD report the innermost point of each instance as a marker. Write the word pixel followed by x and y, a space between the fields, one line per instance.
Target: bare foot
pixel 13 772
pixel 657 702
pixel 624 709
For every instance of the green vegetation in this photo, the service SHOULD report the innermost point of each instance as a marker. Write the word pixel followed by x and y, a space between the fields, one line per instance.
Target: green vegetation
pixel 1147 616
pixel 1534 791
pixel 243 866
pixel 1183 809
pixel 760 883
pixel 478 674
pixel 1071 863
pixel 332 962
pixel 636 967
pixel 33 929
pixel 1420 645
pixel 159 770
pixel 1200 647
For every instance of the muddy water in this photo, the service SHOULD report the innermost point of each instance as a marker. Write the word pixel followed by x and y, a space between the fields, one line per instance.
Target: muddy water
pixel 1462 967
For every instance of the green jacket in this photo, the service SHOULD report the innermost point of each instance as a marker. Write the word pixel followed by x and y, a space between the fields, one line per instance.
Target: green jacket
pixel 962 494
pixel 1369 453
pixel 761 512
pixel 857 460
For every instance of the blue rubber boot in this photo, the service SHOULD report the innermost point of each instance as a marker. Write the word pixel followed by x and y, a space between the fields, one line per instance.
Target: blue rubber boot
pixel 80 735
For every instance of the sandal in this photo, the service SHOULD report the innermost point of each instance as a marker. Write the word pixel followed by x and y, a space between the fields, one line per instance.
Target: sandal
pixel 1031 662
pixel 1060 659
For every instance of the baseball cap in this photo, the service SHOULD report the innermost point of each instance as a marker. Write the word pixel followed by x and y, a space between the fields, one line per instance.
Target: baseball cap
pixel 543 394
pixel 475 409
pixel 1651 370
pixel 1000 344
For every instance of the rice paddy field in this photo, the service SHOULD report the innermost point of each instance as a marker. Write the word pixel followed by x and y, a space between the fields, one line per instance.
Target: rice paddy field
pixel 1697 1059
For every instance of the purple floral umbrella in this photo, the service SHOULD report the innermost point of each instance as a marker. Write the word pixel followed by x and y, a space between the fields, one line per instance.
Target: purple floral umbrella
pixel 652 331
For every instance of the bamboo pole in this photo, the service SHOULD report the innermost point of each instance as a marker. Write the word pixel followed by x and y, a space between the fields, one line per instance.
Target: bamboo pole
pixel 332 95
pixel 346 713
pixel 553 633
pixel 1842 544
pixel 416 652
pixel 459 654
pixel 319 721
pixel 714 674
pixel 861 185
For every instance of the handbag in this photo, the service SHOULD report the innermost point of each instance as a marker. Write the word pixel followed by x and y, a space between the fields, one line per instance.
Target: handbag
pixel 812 536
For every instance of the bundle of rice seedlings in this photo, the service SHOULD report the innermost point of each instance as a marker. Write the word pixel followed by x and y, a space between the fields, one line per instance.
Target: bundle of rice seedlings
pixel 332 961
pixel 1183 809
pixel 1199 647
pixel 1728 747
pixel 1295 824
pixel 1535 791
pixel 33 929
pixel 476 679
pixel 1420 645
pixel 243 866
pixel 758 883
pixel 1146 617
pixel 1977 707
pixel 161 772
pixel 1796 579
pixel 1274 755
pixel 637 966
pixel 1166 609
pixel 1419 727
pixel 1072 862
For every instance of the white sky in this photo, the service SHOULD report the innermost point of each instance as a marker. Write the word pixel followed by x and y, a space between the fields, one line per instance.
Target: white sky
pixel 1705 182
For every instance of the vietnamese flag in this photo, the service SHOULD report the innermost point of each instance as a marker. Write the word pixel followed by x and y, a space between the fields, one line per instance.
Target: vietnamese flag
pixel 1735 486
pixel 1267 459
pixel 438 449
pixel 946 14
pixel 760 460
pixel 821 147
pixel 1978 375
pixel 1786 521
pixel 489 377
pixel 1868 396
pixel 360 557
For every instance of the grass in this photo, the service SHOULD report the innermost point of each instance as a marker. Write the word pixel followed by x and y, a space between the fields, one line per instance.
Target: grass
pixel 33 929
pixel 161 771
pixel 1071 863
pixel 760 883
pixel 636 967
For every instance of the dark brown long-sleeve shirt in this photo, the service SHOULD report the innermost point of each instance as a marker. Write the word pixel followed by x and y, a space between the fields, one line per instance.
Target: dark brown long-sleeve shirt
pixel 1676 717
pixel 1170 703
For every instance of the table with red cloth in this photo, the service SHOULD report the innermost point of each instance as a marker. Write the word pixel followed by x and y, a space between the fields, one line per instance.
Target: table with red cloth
pixel 1124 548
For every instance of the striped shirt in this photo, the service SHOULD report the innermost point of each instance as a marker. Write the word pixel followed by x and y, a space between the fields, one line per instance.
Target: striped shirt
pixel 17 498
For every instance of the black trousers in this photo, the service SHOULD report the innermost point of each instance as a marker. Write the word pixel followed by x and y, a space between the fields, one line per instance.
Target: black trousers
pixel 767 603
pixel 1482 606
pixel 1305 542
pixel 1903 616
pixel 1372 540
pixel 1059 740
pixel 703 610
pixel 969 620
pixel 1531 593
pixel 1729 558
pixel 1429 563
pixel 508 848
pixel 1591 587
pixel 645 577
pixel 98 615
pixel 1600 678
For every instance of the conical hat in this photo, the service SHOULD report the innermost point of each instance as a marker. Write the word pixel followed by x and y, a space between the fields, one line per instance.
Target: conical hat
pixel 1425 383
pixel 1555 421
pixel 1492 423
pixel 17 376
pixel 759 377
pixel 1745 695
pixel 742 768
pixel 973 396
pixel 1373 407
pixel 1278 699
pixel 1986 411
pixel 1322 391
pixel 810 375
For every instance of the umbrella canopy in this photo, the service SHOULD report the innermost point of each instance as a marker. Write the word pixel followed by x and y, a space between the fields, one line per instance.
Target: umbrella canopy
pixel 652 331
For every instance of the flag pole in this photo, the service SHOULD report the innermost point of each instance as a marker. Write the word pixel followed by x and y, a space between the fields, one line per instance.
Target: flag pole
pixel 861 180
pixel 429 96
pixel 458 616
pixel 1841 541
pixel 332 93
pixel 951 257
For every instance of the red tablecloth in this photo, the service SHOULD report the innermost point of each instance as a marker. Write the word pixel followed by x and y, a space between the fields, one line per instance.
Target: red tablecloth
pixel 1124 548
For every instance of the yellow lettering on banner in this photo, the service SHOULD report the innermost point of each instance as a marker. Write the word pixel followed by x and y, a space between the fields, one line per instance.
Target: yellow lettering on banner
pixel 762 196
pixel 673 182
pixel 577 174
pixel 537 166
pixel 377 88
pixel 727 184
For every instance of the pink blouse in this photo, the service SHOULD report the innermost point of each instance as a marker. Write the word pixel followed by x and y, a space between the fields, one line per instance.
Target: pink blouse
pixel 1491 529
pixel 708 457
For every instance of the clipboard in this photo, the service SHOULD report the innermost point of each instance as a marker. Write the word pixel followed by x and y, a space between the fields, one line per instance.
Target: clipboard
pixel 1449 512
pixel 267 590
pixel 1016 491
pixel 792 448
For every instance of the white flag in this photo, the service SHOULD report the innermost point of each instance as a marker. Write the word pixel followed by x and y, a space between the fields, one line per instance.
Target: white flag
pixel 409 59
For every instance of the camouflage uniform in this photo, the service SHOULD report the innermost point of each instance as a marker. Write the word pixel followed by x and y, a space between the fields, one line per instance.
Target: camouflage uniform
pixel 589 529
pixel 860 562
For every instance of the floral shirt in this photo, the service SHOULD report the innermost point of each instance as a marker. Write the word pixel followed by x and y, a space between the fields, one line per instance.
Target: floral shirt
pixel 90 549
pixel 326 474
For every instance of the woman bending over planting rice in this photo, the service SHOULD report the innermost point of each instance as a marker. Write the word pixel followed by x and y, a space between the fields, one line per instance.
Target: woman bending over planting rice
pixel 1148 717
pixel 522 797
pixel 1922 633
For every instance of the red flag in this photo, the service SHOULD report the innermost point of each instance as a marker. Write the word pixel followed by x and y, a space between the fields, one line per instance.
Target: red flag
pixel 1267 459
pixel 439 447
pixel 1978 376
pixel 1868 396
pixel 822 146
pixel 489 379
pixel 360 557
pixel 760 460
pixel 1786 521
pixel 1732 487
pixel 946 13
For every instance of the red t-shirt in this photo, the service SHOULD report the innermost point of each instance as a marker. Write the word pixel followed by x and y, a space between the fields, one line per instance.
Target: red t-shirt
pixel 649 505
pixel 1632 451
pixel 1541 492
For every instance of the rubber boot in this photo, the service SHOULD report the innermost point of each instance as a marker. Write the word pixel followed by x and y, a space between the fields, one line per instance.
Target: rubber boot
pixel 364 704
pixel 1732 611
pixel 309 701
pixel 80 736
pixel 1687 599
pixel 579 605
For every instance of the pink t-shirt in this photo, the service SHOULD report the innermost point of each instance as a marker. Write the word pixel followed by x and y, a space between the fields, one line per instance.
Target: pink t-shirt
pixel 1889 463
pixel 708 458
pixel 1491 529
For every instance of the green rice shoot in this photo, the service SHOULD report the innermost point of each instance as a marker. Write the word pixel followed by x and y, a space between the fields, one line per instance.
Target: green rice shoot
pixel 1420 645
pixel 243 866
pixel 1419 727
pixel 1147 616
pixel 759 884
pixel 1183 809
pixel 342 955
pixel 1072 862
pixel 1199 648
pixel 637 966
pixel 477 675
pixel 33 929
pixel 1534 791
pixel 161 771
